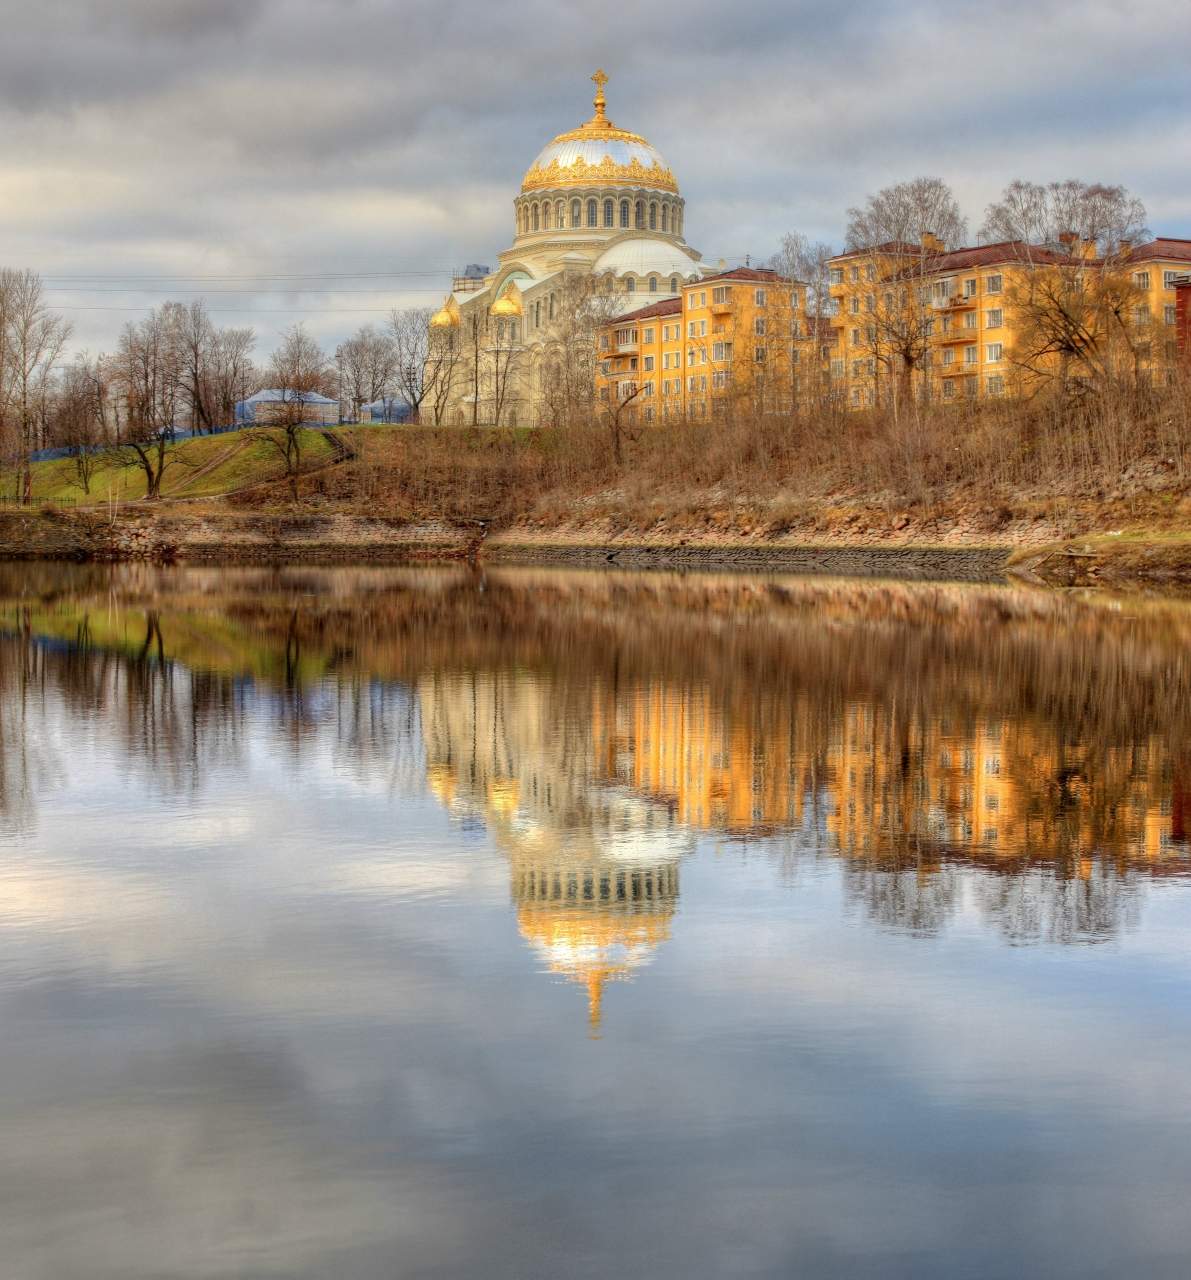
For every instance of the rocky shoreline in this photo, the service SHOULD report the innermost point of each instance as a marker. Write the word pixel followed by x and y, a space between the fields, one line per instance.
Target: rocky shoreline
pixel 174 535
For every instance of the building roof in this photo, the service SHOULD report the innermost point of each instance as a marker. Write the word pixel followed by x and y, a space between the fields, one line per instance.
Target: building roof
pixel 902 248
pixel 642 256
pixel 667 307
pixel 988 255
pixel 1162 247
pixel 762 275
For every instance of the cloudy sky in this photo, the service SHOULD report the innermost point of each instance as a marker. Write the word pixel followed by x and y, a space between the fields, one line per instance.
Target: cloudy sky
pixel 328 159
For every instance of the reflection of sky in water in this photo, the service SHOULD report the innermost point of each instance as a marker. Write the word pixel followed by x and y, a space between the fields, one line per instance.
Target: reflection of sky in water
pixel 274 1015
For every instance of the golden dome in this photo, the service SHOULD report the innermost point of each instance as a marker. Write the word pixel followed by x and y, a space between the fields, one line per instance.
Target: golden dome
pixel 598 153
pixel 447 317
pixel 509 302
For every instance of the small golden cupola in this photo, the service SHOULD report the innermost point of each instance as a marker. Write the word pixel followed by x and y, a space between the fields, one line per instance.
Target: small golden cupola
pixel 508 305
pixel 447 316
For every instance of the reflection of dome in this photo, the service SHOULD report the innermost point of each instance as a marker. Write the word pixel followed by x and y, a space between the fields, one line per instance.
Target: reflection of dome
pixel 592 946
pixel 643 257
pixel 598 153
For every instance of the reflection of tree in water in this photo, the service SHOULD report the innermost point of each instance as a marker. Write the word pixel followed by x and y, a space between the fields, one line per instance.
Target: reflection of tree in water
pixel 1016 754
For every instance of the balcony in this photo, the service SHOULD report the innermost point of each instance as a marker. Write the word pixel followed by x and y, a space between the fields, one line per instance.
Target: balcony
pixel 724 308
pixel 968 336
pixel 960 369
pixel 625 348
pixel 956 302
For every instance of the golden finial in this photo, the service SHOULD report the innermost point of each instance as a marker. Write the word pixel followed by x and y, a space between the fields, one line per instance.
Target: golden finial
pixel 599 102
pixel 595 999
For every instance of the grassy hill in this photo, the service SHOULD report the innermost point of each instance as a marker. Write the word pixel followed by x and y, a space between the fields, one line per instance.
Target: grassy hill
pixel 199 468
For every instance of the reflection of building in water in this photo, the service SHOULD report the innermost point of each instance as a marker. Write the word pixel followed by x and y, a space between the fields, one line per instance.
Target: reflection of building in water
pixel 593 866
pixel 1007 789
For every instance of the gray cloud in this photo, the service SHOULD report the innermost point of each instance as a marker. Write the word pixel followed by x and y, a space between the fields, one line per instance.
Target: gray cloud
pixel 295 136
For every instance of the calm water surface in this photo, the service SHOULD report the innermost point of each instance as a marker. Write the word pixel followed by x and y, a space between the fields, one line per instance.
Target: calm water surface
pixel 426 923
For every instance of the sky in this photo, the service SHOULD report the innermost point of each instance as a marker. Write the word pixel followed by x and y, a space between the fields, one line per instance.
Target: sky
pixel 327 160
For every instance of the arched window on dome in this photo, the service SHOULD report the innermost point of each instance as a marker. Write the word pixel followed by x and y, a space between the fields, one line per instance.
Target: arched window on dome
pixel 591 213
pixel 609 214
pixel 653 284
pixel 653 217
pixel 665 217
pixel 552 306
pixel 608 284
pixel 536 218
pixel 673 284
pixel 640 220
pixel 545 215
pixel 630 285
pixel 624 213
pixel 560 214
pixel 576 213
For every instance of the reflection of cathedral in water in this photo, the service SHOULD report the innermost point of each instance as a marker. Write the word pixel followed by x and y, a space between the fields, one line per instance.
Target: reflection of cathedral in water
pixel 593 864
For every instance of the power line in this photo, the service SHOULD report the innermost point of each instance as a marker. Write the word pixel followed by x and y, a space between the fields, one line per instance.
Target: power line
pixel 328 275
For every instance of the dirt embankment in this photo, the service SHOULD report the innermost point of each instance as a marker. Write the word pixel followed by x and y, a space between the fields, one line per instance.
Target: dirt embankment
pixel 898 544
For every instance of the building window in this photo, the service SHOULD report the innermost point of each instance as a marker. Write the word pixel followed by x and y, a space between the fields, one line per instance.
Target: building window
pixel 647 364
pixel 552 306
pixel 721 351
pixel 994 319
pixel 647 335
pixel 546 217
pixel 854 304
pixel 653 217
pixel 836 275
pixel 719 380
pixel 970 288
pixel 971 355
pixel 536 218
pixel 856 337
pixel 537 315
pixel 759 355
pixel 759 298
pixel 971 320
pixel 624 213
pixel 993 352
pixel 837 368
pixel 856 396
pixel 1141 279
pixel 1169 314
pixel 996 385
pixel 639 220
pixel 759 326
pixel 870 302
pixel 591 213
pixel 948 355
pixel 992 284
pixel 665 217
pixel 853 274
pixel 653 284
pixel 609 214
pixel 630 285
pixel 949 388
pixel 576 213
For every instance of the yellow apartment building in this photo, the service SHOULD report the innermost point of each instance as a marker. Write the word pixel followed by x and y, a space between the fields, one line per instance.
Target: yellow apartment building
pixel 736 338
pixel 949 313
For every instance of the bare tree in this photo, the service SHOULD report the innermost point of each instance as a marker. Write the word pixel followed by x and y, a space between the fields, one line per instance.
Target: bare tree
pixel 299 369
pixel 148 376
pixel 367 364
pixel 233 376
pixel 1079 319
pixel 443 355
pixel 567 370
pixel 32 344
pixel 80 418
pixel 421 360
pixel 1066 217
pixel 807 262
pixel 898 234
pixel 194 338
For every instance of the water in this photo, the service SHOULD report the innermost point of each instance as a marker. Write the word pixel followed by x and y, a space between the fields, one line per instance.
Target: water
pixel 420 923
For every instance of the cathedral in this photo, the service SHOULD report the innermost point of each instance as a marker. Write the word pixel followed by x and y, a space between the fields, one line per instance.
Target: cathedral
pixel 599 216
